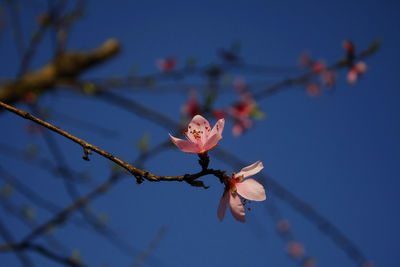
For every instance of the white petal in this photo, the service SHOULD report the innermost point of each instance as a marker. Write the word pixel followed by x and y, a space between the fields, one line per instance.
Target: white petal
pixel 222 206
pixel 236 206
pixel 185 145
pixel 251 190
pixel 248 171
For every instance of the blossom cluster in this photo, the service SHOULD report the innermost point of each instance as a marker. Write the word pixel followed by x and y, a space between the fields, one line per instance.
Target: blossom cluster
pixel 242 112
pixel 327 77
pixel 201 137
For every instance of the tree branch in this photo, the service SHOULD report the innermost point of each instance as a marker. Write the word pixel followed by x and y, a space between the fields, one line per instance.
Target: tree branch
pixel 138 173
pixel 66 66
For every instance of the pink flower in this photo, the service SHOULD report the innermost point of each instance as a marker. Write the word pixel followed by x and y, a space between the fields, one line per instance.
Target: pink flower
pixel 295 249
pixel 241 113
pixel 328 78
pixel 355 71
pixel 166 64
pixel 30 97
pixel 240 125
pixel 367 264
pixel 244 107
pixel 283 226
pixel 191 108
pixel 348 46
pixel 236 189
pixel 350 49
pixel 318 67
pixel 240 85
pixel 305 59
pixel 218 113
pixel 310 262
pixel 313 89
pixel 201 137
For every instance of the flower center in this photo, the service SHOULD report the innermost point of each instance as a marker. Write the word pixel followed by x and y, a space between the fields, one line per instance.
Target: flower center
pixel 196 134
pixel 200 131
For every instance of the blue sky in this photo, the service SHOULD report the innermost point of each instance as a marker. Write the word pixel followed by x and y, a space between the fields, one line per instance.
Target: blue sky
pixel 339 152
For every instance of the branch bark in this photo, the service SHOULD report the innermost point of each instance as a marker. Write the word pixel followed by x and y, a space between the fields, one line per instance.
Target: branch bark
pixel 68 65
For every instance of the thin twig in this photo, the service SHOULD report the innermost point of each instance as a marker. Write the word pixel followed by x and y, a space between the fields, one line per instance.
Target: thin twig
pixel 149 249
pixel 138 173
pixel 10 239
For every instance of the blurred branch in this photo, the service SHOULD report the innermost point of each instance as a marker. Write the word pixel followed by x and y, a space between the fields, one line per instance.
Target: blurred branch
pixel 16 25
pixel 20 214
pixel 342 63
pixel 322 223
pixel 63 215
pixel 3 21
pixel 81 124
pixel 149 249
pixel 28 192
pixel 72 191
pixel 43 163
pixel 42 251
pixel 9 238
pixel 66 66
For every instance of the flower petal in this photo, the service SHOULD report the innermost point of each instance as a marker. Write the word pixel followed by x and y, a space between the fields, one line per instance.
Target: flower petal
pixel 198 130
pixel 352 76
pixel 237 130
pixel 251 190
pixel 212 142
pixel 185 145
pixel 222 205
pixel 361 67
pixel 236 206
pixel 218 128
pixel 250 170
pixel 215 135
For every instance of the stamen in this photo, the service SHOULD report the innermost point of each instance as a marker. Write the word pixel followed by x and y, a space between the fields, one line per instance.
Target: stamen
pixel 196 134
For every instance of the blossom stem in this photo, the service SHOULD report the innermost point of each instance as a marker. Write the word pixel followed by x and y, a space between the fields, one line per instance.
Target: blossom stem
pixel 204 160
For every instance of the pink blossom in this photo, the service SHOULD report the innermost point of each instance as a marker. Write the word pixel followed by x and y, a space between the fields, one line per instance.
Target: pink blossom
pixel 166 64
pixel 240 85
pixel 317 67
pixel 349 48
pixel 367 264
pixel 313 89
pixel 30 97
pixel 295 249
pixel 200 136
pixel 355 71
pixel 241 113
pixel 191 108
pixel 328 78
pixel 218 113
pixel 244 107
pixel 310 262
pixel 240 125
pixel 283 226
pixel 305 59
pixel 236 189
